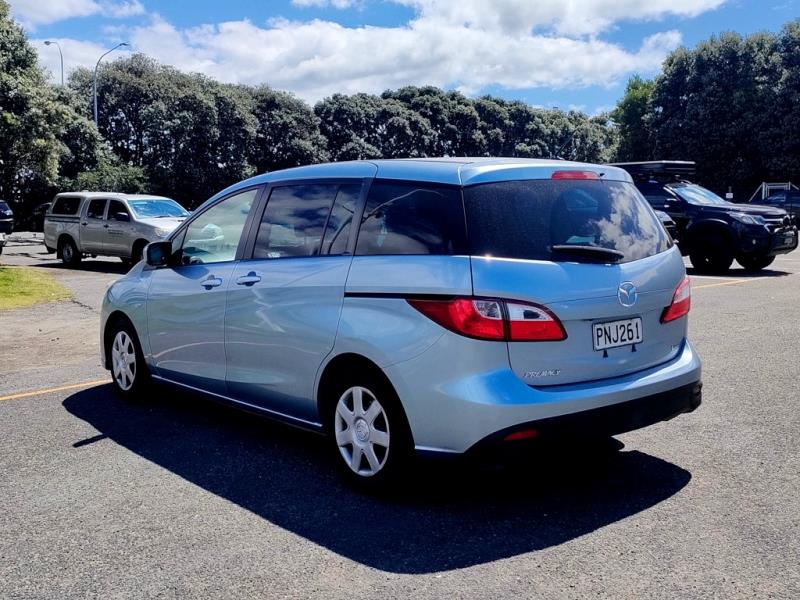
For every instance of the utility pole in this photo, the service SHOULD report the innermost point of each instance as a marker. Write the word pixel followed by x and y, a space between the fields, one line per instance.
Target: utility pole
pixel 57 45
pixel 94 79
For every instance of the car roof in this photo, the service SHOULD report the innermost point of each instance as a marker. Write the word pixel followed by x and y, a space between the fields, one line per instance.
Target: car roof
pixel 114 195
pixel 462 171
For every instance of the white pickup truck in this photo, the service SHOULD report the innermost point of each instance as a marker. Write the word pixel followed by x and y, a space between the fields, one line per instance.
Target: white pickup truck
pixel 78 224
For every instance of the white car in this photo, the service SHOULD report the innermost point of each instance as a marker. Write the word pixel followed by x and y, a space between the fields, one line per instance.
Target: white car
pixel 78 224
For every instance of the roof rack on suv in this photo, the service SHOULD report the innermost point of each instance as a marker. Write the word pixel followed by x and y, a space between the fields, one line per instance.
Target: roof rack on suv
pixel 658 169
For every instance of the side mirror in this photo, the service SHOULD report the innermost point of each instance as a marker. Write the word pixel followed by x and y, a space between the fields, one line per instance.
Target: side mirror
pixel 122 216
pixel 157 254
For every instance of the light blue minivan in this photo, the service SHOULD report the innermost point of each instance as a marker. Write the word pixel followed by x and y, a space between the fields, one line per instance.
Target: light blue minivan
pixel 435 306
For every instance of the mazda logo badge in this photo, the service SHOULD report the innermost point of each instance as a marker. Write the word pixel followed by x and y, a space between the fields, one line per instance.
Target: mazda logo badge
pixel 627 294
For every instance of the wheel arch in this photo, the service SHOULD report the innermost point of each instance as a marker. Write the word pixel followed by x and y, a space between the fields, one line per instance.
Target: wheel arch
pixel 62 239
pixel 339 367
pixel 698 229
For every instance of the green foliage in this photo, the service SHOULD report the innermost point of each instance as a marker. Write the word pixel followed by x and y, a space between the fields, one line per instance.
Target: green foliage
pixel 730 104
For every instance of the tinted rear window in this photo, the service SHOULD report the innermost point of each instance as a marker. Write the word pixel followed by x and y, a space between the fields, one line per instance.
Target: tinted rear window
pixel 525 219
pixel 68 205
pixel 412 218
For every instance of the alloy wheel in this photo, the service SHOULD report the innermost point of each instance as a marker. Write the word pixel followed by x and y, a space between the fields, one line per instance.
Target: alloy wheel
pixel 361 427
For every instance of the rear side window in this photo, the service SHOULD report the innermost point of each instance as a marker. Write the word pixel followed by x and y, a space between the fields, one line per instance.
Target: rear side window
pixel 294 220
pixel 527 219
pixel 96 209
pixel 66 205
pixel 412 218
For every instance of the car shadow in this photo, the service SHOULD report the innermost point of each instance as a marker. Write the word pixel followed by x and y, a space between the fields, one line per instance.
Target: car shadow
pixel 739 273
pixel 450 516
pixel 88 265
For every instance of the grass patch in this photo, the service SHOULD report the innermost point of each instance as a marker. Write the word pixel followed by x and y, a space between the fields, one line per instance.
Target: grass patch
pixel 24 286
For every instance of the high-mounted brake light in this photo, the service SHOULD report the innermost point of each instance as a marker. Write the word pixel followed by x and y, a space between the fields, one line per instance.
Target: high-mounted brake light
pixel 581 175
pixel 681 302
pixel 493 319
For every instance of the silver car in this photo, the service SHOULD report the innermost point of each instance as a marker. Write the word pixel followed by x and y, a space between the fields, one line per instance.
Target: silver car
pixel 430 306
pixel 78 224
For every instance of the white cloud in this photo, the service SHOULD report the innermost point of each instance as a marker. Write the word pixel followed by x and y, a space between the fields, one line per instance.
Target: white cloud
pixel 467 45
pixel 33 13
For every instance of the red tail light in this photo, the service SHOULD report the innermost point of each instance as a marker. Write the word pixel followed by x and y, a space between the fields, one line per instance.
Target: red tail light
pixel 681 302
pixel 584 175
pixel 493 319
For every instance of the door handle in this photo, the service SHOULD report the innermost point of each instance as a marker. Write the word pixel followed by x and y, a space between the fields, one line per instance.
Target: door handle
pixel 249 279
pixel 212 282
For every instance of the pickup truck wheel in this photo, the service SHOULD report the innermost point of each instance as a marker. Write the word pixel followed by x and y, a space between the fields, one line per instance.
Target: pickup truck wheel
pixel 755 263
pixel 711 256
pixel 69 253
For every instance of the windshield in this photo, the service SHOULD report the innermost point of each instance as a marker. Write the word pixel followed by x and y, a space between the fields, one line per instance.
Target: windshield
pixel 695 194
pixel 562 221
pixel 157 207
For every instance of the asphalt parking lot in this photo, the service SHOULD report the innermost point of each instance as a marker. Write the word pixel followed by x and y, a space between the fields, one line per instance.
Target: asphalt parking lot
pixel 181 497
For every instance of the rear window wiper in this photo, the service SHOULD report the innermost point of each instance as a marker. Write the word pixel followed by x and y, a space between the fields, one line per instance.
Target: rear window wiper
pixel 595 252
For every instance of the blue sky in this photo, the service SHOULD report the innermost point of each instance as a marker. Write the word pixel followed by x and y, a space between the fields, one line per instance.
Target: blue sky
pixel 565 53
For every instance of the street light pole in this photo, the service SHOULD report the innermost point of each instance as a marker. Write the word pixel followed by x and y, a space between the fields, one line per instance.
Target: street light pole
pixel 94 79
pixel 57 45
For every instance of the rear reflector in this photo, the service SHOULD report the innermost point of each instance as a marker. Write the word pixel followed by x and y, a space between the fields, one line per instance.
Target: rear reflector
pixel 681 302
pixel 575 175
pixel 525 434
pixel 493 319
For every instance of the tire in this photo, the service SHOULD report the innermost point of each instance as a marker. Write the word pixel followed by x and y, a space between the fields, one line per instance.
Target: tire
pixel 711 255
pixel 129 372
pixel 755 262
pixel 68 252
pixel 137 252
pixel 368 431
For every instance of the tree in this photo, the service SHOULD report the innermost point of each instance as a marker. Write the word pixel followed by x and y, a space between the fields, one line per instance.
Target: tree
pixel 630 115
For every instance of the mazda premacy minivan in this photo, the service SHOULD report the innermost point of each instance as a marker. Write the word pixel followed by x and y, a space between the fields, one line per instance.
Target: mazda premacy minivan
pixel 434 306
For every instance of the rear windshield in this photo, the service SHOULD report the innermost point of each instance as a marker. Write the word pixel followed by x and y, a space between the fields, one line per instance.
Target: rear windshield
pixel 563 221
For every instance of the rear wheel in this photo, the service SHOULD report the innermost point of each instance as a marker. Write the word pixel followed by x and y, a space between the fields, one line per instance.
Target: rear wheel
pixel 69 253
pixel 755 262
pixel 711 255
pixel 369 432
pixel 128 368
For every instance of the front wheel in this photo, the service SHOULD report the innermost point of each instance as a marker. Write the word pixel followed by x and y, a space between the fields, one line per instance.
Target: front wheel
pixel 755 262
pixel 370 433
pixel 711 256
pixel 128 368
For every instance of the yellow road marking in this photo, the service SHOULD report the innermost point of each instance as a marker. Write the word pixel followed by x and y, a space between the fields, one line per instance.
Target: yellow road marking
pixel 62 388
pixel 737 282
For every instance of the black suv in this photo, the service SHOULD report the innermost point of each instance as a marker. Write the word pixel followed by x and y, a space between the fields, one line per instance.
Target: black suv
pixel 710 230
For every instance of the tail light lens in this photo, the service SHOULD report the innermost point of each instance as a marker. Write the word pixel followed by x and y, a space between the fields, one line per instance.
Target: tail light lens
pixel 493 319
pixel 681 302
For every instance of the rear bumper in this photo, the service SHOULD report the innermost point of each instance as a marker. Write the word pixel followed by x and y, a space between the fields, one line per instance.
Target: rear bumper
pixel 454 403
pixel 598 422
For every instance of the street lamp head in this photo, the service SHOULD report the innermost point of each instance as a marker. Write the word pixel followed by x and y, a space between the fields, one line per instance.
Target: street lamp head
pixel 47 42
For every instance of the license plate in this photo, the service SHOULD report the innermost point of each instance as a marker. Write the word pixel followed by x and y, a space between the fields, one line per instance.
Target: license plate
pixel 617 333
pixel 788 239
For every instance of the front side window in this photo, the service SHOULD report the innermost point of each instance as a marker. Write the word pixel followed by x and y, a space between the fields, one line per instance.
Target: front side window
pixel 214 235
pixel 294 221
pixel 96 209
pixel 115 208
pixel 562 221
pixel 412 218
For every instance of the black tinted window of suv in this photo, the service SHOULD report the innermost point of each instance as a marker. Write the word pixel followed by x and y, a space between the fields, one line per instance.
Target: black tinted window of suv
pixel 66 205
pixel 412 218
pixel 525 219
pixel 294 220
